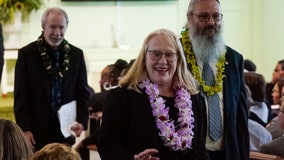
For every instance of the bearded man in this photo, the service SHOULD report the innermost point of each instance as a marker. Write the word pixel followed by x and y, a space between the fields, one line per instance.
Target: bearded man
pixel 219 71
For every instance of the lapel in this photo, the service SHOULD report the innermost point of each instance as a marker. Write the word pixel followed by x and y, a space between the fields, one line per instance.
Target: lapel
pixel 226 91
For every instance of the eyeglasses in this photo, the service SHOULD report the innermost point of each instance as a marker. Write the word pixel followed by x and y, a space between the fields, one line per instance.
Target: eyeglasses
pixel 157 55
pixel 206 17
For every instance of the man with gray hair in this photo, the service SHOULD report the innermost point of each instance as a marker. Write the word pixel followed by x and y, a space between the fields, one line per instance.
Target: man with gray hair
pixel 50 73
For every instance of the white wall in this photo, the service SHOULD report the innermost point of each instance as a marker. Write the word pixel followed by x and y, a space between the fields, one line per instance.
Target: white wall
pixel 99 24
pixel 271 36
pixel 252 27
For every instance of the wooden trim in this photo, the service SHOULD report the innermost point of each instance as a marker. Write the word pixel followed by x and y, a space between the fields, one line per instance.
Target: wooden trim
pixel 263 156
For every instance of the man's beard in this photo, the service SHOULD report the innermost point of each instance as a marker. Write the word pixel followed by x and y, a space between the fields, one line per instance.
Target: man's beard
pixel 206 47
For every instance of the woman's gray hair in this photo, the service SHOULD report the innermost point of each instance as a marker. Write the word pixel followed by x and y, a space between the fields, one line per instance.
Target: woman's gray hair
pixel 52 10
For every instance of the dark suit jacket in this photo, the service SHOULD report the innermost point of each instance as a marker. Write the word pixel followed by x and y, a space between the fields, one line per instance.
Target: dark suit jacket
pixel 33 90
pixel 236 136
pixel 128 128
pixel 275 147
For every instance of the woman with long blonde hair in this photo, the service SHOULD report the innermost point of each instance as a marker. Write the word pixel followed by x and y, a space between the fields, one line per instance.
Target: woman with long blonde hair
pixel 156 112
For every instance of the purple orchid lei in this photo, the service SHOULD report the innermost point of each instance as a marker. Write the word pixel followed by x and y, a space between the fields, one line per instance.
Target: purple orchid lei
pixel 175 140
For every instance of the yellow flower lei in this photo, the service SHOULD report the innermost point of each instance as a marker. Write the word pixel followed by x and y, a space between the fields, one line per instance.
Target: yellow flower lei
pixel 190 59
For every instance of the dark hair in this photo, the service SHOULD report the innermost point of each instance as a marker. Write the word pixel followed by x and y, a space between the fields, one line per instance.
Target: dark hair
pixel 120 64
pixel 281 62
pixel 13 145
pixel 280 84
pixel 249 65
pixel 125 70
pixel 256 84
pixel 116 69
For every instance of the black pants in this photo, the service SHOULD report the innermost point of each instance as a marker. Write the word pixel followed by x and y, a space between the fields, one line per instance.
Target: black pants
pixel 217 155
pixel 54 134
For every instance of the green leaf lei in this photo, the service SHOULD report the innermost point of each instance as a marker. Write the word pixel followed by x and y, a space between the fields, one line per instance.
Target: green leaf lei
pixel 46 60
pixel 190 59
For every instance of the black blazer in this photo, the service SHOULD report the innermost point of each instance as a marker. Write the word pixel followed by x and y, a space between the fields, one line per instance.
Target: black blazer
pixel 33 90
pixel 128 128
pixel 236 136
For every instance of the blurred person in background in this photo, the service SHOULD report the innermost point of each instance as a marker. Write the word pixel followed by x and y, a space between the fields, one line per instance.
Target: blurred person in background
pixel 273 127
pixel 258 134
pixel 249 66
pixel 275 147
pixel 56 151
pixel 277 74
pixel 13 145
pixel 259 111
pixel 109 80
pixel 276 92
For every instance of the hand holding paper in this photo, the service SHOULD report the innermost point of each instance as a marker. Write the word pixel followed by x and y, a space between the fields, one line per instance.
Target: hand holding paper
pixel 67 117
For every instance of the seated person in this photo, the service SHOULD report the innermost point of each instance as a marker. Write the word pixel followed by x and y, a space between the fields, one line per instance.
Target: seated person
pixel 249 66
pixel 276 94
pixel 109 80
pixel 257 133
pixel 13 145
pixel 56 151
pixel 273 127
pixel 259 111
pixel 125 70
pixel 275 147
pixel 277 74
